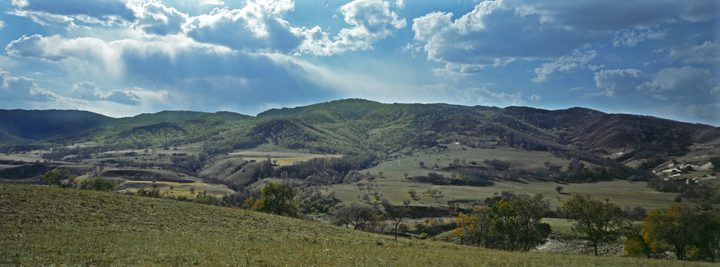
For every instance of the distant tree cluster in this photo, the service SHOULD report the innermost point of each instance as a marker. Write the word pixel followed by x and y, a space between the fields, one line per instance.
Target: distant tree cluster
pixel 311 200
pixel 461 176
pixel 324 171
pixel 687 189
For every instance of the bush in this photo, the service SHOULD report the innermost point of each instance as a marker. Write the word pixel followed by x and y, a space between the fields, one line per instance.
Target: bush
pixel 141 191
pixel 98 184
pixel 60 178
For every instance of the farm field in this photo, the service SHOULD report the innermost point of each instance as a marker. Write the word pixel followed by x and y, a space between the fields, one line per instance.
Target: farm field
pixel 51 226
pixel 620 192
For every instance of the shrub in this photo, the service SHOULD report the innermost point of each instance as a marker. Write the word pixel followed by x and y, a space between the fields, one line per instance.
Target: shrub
pixel 98 184
pixel 60 178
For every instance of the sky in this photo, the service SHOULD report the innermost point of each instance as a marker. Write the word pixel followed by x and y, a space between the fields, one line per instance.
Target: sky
pixel 125 57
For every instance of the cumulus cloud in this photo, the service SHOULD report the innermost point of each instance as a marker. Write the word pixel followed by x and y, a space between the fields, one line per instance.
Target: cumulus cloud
pixel 156 18
pixel 458 70
pixel 619 82
pixel 15 88
pixel 707 53
pixel 2 24
pixel 372 21
pixel 680 82
pixel 494 33
pixel 256 27
pixel 505 30
pixel 89 91
pixel 574 62
pixel 50 12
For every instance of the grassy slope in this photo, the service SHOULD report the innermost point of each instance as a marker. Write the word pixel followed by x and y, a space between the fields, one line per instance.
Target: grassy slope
pixel 394 186
pixel 43 226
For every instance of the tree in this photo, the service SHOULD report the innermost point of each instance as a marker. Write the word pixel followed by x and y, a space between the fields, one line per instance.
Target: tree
pixel 60 178
pixel 684 229
pixel 395 213
pixel 355 215
pixel 516 223
pixel 595 220
pixel 277 199
pixel 559 189
pixel 473 229
pixel 98 184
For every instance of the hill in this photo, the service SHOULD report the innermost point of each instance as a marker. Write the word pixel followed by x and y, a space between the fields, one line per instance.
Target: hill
pixel 54 226
pixel 45 124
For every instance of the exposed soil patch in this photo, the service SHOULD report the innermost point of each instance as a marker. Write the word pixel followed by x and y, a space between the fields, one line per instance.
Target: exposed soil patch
pixel 558 244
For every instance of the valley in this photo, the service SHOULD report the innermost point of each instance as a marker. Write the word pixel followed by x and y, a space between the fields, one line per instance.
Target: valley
pixel 437 160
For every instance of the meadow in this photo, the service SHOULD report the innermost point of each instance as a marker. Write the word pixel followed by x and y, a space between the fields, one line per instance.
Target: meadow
pixel 52 226
pixel 393 185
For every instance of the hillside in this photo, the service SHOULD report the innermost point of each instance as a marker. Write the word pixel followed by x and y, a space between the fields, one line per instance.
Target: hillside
pixel 53 226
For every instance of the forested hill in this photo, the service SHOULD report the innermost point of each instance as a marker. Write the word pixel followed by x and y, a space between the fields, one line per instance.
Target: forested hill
pixel 356 126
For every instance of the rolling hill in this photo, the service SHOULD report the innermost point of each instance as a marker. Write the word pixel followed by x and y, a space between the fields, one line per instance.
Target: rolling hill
pixel 54 226
pixel 617 143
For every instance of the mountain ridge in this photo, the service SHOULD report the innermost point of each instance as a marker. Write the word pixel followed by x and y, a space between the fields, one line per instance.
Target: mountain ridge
pixel 354 125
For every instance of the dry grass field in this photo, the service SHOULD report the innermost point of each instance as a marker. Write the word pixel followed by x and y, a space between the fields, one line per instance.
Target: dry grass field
pixel 52 226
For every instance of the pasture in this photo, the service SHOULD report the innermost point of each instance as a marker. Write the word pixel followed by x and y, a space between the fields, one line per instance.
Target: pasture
pixel 54 226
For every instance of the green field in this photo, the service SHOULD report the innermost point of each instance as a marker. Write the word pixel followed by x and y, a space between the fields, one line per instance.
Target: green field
pixel 53 226
pixel 620 192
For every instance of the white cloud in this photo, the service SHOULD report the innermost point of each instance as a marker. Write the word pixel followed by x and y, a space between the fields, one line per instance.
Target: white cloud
pixel 15 88
pixel 156 18
pixel 256 27
pixel 633 37
pixel 505 30
pixel 494 33
pixel 400 3
pixel 89 91
pixel 485 96
pixel 372 21
pixel 459 70
pixel 705 110
pixel 619 82
pixel 680 82
pixel 45 19
pixel 612 15
pixel 575 62
pixel 536 98
pixel 108 57
pixel 2 24
pixel 55 48
pixel 708 53
pixel 50 12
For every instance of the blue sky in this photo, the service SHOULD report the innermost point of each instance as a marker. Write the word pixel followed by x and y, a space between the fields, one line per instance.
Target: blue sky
pixel 125 57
